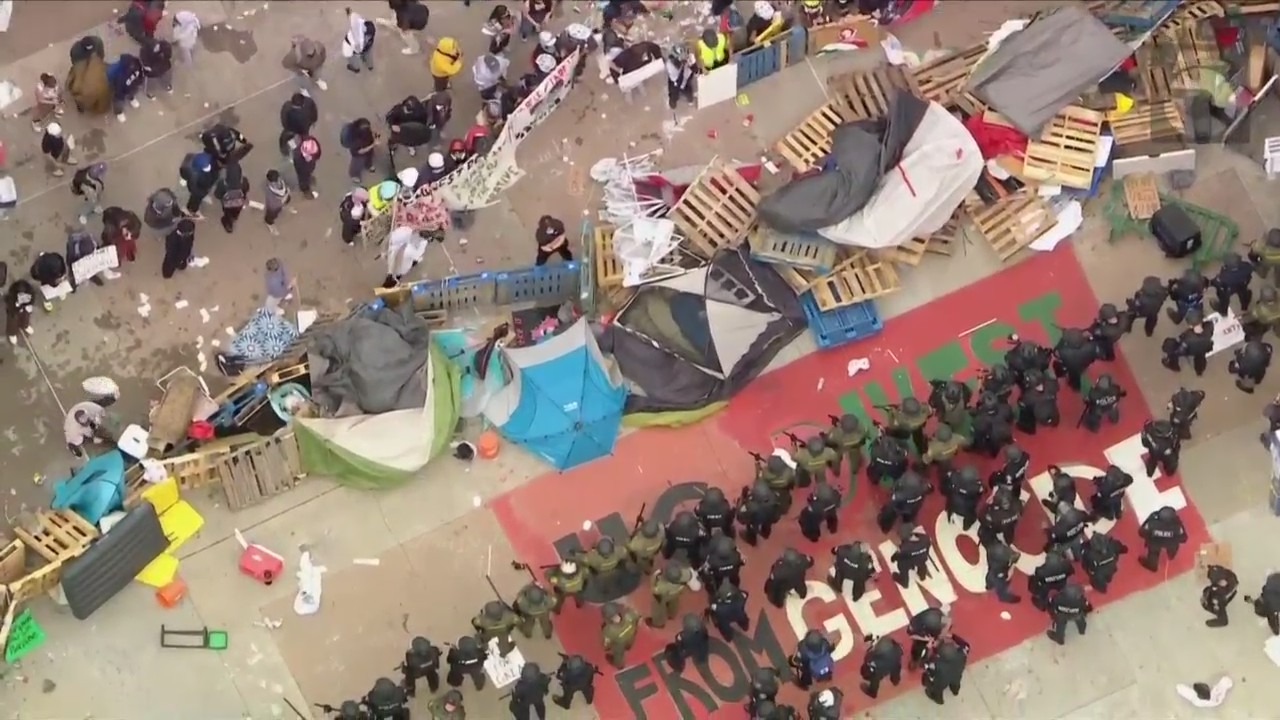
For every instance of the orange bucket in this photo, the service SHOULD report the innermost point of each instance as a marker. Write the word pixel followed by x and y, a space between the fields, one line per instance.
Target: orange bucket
pixel 170 595
pixel 487 445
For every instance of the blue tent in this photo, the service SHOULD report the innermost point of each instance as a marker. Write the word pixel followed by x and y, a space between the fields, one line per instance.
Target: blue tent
pixel 562 401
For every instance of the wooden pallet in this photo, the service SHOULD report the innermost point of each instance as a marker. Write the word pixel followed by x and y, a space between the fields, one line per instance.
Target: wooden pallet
pixel 970 105
pixel 811 252
pixel 1065 153
pixel 909 253
pixel 1197 47
pixel 56 535
pixel 1013 223
pixel 948 238
pixel 608 268
pixel 1147 122
pixel 254 473
pixel 1141 195
pixel 811 139
pixel 853 281
pixel 1156 78
pixel 941 80
pixel 13 562
pixel 1191 13
pixel 866 95
pixel 716 211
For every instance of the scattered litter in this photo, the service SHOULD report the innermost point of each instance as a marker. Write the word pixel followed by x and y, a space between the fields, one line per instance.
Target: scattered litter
pixel 215 343
pixel 307 601
pixel 253 659
pixel 477 501
pixel 199 342
pixel 231 332
pixel 144 310
pixel 215 308
pixel 181 304
pixel 1004 615
pixel 713 134
pixel 370 562
pixel 821 381
pixel 268 623
pixel 1016 691
pixel 586 524
pixel 48 686
pixel 746 121
pixel 204 315
pixel 199 262
pixel 857 365
pixel 603 116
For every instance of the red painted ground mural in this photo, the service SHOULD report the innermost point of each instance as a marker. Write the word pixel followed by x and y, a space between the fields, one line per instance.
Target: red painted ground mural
pixel 668 469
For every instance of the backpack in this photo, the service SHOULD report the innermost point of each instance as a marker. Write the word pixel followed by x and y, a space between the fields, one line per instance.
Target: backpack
pixel 187 170
pixel 233 198
pixel 345 136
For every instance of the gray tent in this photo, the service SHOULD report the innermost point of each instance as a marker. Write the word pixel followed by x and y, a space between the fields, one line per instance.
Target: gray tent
pixel 696 339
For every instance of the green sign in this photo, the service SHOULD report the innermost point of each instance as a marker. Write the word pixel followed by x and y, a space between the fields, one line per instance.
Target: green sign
pixel 25 635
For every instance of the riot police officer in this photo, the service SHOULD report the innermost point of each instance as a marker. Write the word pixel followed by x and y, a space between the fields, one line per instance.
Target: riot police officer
pixel 667 587
pixel 757 511
pixel 1100 557
pixel 1187 293
pixel 1218 594
pixel 780 478
pixel 787 576
pixel 1001 560
pixel 943 447
pixel 606 562
pixel 348 710
pixel 1162 531
pixel 387 701
pixel 821 508
pixel 950 402
pixel 944 669
pixel 1267 603
pixel 1049 578
pixel 1068 605
pixel 728 608
pixel 904 503
pixel 1195 342
pixel 1072 356
pixel 1037 403
pixel 1102 401
pixel 853 564
pixel 1063 489
pixel 1025 357
pixel 998 382
pixel 924 628
pixel 1266 259
pixel 447 707
pixel 421 660
pixel 765 684
pixel 723 563
pixel 1163 447
pixel 684 534
pixel 567 580
pixel 846 438
pixel 644 545
pixel 575 675
pixel 886 460
pixel 963 496
pixel 1147 301
pixel 1184 408
pixel 534 606
pixel 912 554
pixel 1108 493
pixel 530 693
pixel 1250 364
pixel 693 642
pixel 883 661
pixel 1067 531
pixel 1232 279
pixel 905 422
pixel 770 710
pixel 715 512
pixel 825 704
pixel 1263 316
pixel 1014 470
pixel 999 517
pixel 466 658
pixel 813 660
pixel 1108 327
pixel 495 621
pixel 812 457
pixel 992 425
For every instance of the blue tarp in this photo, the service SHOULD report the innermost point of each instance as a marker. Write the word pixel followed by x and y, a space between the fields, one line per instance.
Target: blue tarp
pixel 96 489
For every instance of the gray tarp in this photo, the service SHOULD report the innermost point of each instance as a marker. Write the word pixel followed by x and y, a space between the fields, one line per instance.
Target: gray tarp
pixel 863 151
pixel 373 361
pixel 1040 70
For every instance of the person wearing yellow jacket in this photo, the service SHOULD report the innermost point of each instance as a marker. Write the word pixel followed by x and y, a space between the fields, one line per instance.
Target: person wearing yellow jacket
pixel 446 62
pixel 713 50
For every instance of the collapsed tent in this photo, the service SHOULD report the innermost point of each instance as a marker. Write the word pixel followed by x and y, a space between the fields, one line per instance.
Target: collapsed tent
pixel 388 394
pixel 696 339
pixel 940 165
pixel 862 152
pixel 562 402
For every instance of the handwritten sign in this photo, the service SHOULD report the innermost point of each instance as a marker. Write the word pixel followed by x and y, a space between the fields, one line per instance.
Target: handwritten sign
pixel 477 182
pixel 1227 331
pixel 104 258
pixel 503 671
pixel 25 636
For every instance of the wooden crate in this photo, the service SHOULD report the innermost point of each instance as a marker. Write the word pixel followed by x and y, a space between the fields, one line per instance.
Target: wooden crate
pixel 853 281
pixel 263 470
pixel 36 583
pixel 811 139
pixel 716 211
pixel 13 561
pixel 1147 122
pixel 1064 154
pixel 1191 13
pixel 810 252
pixel 1141 195
pixel 608 268
pixel 1156 77
pixel 798 280
pixel 56 535
pixel 1197 47
pixel 866 95
pixel 1013 223
pixel 947 239
pixel 909 253
pixel 941 80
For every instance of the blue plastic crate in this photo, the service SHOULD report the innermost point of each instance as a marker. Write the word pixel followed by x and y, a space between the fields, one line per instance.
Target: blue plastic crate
pixel 1140 15
pixel 842 325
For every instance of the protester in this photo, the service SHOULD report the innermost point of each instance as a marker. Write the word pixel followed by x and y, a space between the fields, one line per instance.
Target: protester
pixel 141 19
pixel 83 425
pixel 87 81
pixel 411 18
pixel 186 33
pixel 50 270
pixel 351 212
pixel 490 74
pixel 162 211
pixel 440 106
pixel 275 197
pixel 88 183
pixel 120 229
pixel 713 50
pixel 410 124
pixel 80 245
pixel 534 17
pixel 126 78
pixel 357 45
pixel 225 144
pixel 157 66
pixel 405 249
pixel 682 69
pixel 19 301
pixel 306 154
pixel 48 98
pixel 57 146
pixel 552 240
pixel 299 114
pixel 446 62
pixel 179 245
pixel 280 286
pixel 499 27
pixel 306 57
pixel 233 192
pixel 359 138
pixel 101 390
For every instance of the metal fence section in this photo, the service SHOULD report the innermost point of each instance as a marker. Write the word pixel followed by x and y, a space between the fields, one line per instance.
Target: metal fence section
pixel 764 59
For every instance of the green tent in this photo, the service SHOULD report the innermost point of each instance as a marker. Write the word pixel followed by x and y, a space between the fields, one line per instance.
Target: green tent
pixel 378 451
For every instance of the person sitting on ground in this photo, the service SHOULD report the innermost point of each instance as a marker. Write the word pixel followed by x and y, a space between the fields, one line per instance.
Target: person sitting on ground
pixel 83 425
pixel 552 240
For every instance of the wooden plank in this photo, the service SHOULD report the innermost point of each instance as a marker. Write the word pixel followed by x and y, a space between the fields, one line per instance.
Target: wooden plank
pixel 1013 223
pixel 940 80
pixel 811 139
pixel 808 252
pixel 1191 13
pixel 1196 47
pixel 1064 154
pixel 856 280
pixel 608 269
pixel 716 211
pixel 1156 79
pixel 798 280
pixel 1141 195
pixel 945 240
pixel 866 95
pixel 13 561
pixel 909 253
pixel 1147 122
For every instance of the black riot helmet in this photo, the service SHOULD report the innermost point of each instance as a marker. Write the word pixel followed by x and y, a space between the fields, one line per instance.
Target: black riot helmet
pixel 1104 382
pixel 1033 377
pixel 721 545
pixel 611 611
pixel 815 444
pixel 384 688
pixel 691 623
pixel 536 594
pixel 776 465
pixel 453 699
pixel 761 490
pixel 727 591
pixel 605 545
pixel 1162 429
pixel 1167 514
pixel 765 678
pixel 420 646
pixel 1218 574
pixel 1108 312
pixel 766 709
pixel 911 406
pixel 684 521
pixel 1152 285
pixel 910 480
pixel 650 528
pixel 1194 317
pixel 494 609
pixel 1231 260
pixel 1013 453
pixel 1055 557
pixel 467 644
pixel 1099 542
pixel 1114 473
pixel 1072 591
pixel 349 710
pixel 713 495
pixel 673 573
pixel 970 473
pixel 1003 497
pixel 1273 238
pixel 998 373
pixel 793 556
pixel 987 401
pixel 1191 277
pixel 826 494
pixel 943 433
pixel 530 672
pixel 953 392
pixel 575 664
pixel 813 641
pixel 905 531
pixel 850 423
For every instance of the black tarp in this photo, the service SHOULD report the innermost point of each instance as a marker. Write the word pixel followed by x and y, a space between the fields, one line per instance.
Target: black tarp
pixel 863 151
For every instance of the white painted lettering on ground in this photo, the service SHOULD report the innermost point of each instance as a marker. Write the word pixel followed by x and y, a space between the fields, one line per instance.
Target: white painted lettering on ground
pixel 972 576
pixel 938 585
pixel 1145 496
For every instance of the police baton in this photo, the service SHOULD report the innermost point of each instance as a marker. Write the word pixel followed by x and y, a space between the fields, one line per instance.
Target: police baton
pixel 794 438
pixel 639 517
pixel 760 459
pixel 517 565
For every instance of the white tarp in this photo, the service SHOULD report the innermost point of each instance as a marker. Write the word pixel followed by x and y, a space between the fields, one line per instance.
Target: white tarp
pixel 940 165
pixel 6 14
